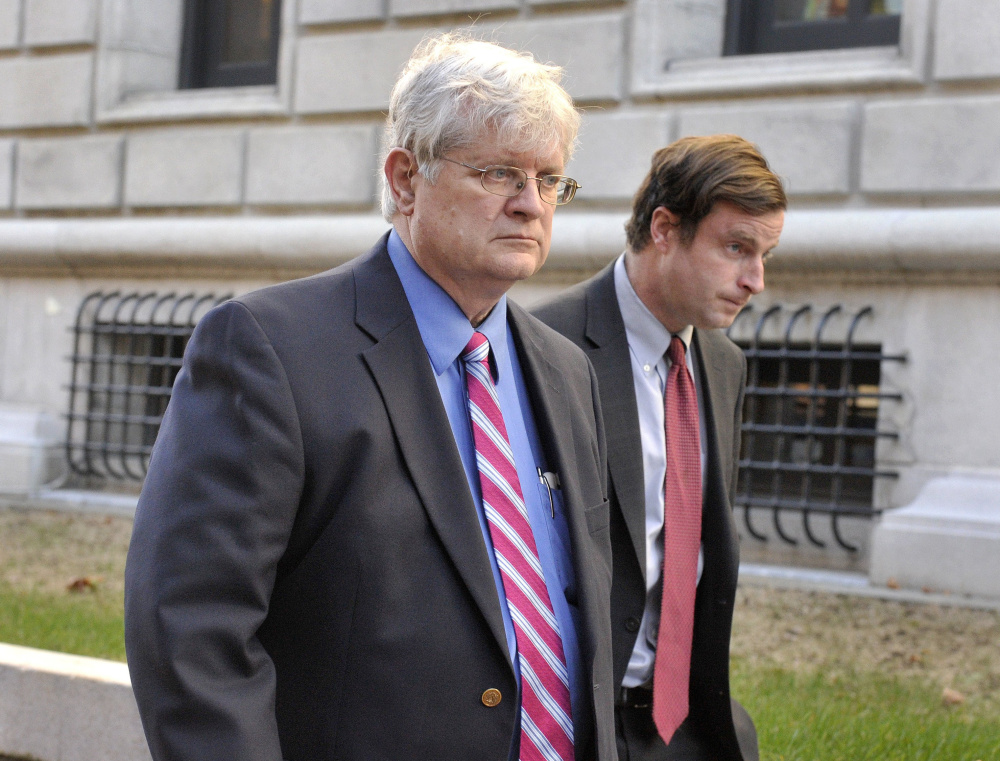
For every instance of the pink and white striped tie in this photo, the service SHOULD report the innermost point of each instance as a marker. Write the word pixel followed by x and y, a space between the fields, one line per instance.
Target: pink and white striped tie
pixel 681 540
pixel 546 716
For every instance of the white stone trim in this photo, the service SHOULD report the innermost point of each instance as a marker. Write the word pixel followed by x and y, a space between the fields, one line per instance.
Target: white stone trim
pixel 665 61
pixel 956 521
pixel 872 240
pixel 55 706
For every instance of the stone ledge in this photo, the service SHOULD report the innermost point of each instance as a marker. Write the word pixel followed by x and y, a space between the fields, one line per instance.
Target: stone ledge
pixel 58 707
pixel 947 539
pixel 886 241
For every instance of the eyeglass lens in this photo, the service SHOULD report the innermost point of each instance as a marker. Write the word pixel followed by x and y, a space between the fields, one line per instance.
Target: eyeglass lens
pixel 509 180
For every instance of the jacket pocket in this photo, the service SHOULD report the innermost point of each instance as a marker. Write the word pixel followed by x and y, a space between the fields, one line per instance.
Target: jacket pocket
pixel 599 517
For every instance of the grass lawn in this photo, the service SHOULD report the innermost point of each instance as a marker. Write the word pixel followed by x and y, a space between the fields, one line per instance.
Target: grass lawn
pixel 61 581
pixel 83 623
pixel 860 717
pixel 826 677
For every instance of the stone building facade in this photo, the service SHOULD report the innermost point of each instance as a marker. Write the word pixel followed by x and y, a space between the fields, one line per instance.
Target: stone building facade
pixel 113 179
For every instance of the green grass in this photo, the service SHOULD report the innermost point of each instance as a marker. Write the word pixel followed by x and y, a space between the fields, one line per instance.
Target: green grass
pixel 84 623
pixel 863 716
pixel 860 717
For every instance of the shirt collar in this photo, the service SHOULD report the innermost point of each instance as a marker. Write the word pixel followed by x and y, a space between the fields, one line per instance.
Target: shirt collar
pixel 646 335
pixel 444 328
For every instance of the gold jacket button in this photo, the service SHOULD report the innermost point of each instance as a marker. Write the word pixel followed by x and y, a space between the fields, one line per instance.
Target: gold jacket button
pixel 491 698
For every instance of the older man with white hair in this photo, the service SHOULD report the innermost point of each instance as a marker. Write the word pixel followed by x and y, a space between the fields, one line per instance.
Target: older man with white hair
pixel 375 525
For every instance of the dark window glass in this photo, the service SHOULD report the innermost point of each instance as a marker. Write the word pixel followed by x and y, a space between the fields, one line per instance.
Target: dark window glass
pixel 775 26
pixel 228 43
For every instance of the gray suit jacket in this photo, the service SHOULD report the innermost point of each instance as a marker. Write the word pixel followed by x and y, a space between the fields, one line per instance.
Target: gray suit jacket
pixel 307 577
pixel 588 314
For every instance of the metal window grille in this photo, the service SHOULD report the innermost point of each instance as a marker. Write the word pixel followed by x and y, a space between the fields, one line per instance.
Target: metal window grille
pixel 127 350
pixel 810 422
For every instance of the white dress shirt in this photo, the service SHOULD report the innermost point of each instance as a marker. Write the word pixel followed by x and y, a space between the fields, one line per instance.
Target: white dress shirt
pixel 648 341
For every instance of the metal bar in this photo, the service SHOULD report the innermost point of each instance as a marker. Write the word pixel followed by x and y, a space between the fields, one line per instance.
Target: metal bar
pixel 816 468
pixel 112 357
pixel 781 438
pixel 76 368
pixel 823 393
pixel 842 419
pixel 116 417
pixel 819 430
pixel 119 388
pixel 753 374
pixel 873 356
pixel 816 507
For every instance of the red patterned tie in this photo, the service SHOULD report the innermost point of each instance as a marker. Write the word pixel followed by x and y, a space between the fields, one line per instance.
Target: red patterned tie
pixel 681 541
pixel 546 723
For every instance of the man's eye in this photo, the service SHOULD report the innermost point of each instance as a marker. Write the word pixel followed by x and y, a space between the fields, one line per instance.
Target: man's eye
pixel 550 180
pixel 499 173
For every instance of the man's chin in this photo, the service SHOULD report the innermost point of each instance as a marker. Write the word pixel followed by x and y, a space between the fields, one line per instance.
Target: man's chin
pixel 521 265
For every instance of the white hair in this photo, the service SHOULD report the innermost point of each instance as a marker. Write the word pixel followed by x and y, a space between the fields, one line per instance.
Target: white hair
pixel 456 89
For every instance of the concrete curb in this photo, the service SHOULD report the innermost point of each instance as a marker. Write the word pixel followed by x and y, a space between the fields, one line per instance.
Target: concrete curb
pixel 58 707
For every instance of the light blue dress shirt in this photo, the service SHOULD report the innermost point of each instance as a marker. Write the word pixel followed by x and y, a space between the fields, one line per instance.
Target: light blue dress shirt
pixel 445 331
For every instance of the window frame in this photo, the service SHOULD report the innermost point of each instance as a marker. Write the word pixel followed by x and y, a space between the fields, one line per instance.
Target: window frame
pixel 678 52
pixel 138 62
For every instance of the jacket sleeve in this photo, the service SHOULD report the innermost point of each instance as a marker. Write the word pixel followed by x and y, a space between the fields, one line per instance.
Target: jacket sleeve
pixel 213 520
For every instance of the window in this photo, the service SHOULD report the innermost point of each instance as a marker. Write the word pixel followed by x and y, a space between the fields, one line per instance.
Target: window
pixel 810 423
pixel 781 26
pixel 229 43
pixel 127 351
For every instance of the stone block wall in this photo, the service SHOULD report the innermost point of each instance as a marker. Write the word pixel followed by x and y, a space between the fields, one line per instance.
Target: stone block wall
pixel 91 119
pixel 112 177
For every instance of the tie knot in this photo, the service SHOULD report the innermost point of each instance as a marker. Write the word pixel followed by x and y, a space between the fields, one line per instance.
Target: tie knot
pixel 477 349
pixel 676 351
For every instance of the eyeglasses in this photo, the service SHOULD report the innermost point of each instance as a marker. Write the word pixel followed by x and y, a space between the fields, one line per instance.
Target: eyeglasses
pixel 509 181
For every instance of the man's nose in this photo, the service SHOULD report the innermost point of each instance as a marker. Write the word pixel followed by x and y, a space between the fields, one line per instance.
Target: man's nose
pixel 752 277
pixel 529 200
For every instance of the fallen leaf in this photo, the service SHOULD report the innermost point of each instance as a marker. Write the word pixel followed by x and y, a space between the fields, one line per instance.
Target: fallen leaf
pixel 81 584
pixel 952 697
pixel 892 583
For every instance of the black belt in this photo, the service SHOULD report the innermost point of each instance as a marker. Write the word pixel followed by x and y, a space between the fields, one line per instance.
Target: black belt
pixel 635 697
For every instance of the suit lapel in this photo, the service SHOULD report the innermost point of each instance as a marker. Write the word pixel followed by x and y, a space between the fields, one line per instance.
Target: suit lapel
pixel 399 364
pixel 609 354
pixel 715 400
pixel 717 526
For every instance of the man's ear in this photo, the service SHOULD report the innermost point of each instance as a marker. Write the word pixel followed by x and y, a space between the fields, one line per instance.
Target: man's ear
pixel 664 227
pixel 400 168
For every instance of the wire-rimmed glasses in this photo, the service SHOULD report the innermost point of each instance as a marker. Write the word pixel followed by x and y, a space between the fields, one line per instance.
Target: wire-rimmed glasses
pixel 555 189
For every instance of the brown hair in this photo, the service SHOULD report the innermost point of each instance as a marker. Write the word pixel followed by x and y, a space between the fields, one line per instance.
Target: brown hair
pixel 692 174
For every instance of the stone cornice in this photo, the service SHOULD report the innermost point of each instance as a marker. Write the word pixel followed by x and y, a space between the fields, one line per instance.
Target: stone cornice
pixel 886 241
